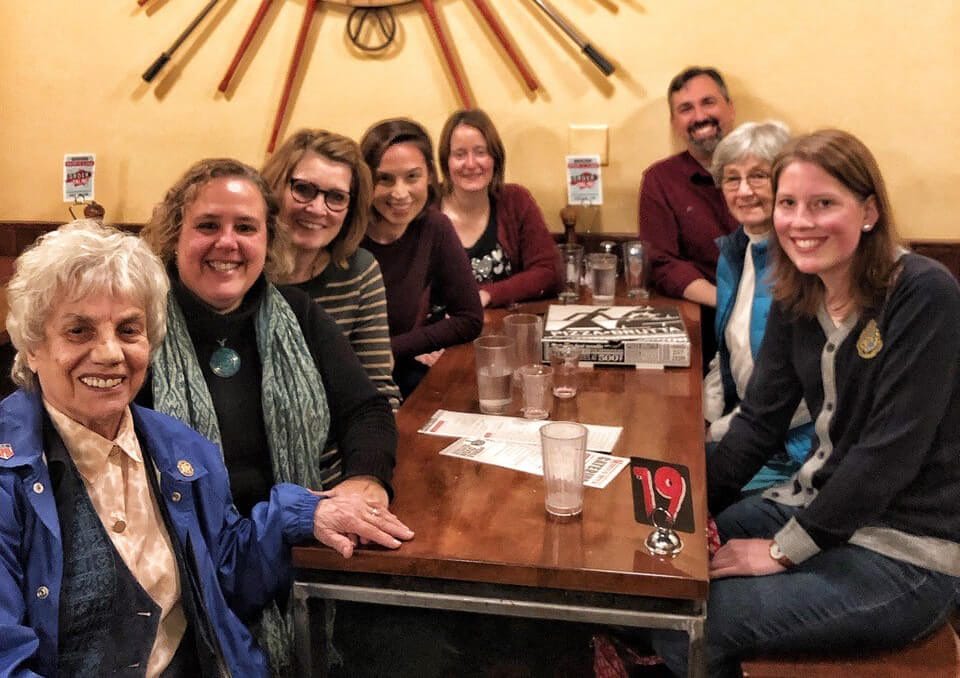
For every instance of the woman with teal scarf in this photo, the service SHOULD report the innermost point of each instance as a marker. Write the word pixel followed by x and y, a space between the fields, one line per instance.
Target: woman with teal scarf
pixel 261 370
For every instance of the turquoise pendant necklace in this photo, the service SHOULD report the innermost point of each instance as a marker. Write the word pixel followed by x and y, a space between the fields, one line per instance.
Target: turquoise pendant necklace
pixel 225 362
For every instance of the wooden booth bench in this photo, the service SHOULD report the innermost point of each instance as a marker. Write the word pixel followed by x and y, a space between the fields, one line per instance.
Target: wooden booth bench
pixel 936 656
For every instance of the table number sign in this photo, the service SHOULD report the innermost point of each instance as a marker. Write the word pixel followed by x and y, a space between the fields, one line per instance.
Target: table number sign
pixel 658 484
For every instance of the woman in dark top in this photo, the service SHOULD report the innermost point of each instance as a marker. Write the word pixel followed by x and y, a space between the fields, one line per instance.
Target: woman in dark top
pixel 324 190
pixel 861 548
pixel 512 254
pixel 263 371
pixel 418 251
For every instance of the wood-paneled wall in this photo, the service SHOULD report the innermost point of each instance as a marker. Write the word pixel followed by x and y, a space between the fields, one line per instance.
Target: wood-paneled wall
pixel 15 236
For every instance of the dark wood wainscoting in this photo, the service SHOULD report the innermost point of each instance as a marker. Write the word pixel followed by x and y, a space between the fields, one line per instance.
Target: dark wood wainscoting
pixel 15 236
pixel 947 252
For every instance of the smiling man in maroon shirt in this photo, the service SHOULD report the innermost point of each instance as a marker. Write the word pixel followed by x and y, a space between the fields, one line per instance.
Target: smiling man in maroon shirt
pixel 682 212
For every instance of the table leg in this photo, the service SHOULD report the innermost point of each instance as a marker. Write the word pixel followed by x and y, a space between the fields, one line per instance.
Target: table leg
pixel 302 641
pixel 696 658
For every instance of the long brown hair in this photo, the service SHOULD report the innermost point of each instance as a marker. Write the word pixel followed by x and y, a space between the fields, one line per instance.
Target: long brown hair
pixel 849 161
pixel 336 148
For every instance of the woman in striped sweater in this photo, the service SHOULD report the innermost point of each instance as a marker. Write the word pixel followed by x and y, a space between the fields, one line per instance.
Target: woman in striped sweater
pixel 324 190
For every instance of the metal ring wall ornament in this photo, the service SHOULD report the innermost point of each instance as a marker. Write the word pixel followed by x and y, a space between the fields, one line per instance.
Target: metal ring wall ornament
pixel 381 25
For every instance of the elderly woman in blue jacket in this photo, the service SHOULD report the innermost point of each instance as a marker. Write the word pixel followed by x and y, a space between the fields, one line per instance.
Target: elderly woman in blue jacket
pixel 120 548
pixel 741 168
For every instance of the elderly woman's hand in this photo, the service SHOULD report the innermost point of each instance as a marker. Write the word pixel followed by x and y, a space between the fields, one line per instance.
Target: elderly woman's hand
pixel 343 517
pixel 367 487
pixel 370 489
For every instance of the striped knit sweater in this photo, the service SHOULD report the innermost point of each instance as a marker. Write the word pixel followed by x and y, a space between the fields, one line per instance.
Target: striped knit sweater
pixel 355 298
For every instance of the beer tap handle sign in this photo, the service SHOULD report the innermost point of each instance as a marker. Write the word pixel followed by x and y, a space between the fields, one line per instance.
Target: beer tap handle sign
pixel 79 171
pixel 584 180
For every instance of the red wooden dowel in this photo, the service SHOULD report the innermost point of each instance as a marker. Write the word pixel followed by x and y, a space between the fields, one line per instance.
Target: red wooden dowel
pixel 501 35
pixel 447 53
pixel 244 44
pixel 292 72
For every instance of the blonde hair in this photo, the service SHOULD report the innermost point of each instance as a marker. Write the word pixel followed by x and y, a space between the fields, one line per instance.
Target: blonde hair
pixel 337 148
pixel 77 260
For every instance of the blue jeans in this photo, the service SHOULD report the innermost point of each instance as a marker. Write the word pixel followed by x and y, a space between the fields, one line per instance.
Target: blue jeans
pixel 841 599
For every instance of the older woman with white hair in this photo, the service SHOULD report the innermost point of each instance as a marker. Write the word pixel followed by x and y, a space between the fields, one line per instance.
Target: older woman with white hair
pixel 121 549
pixel 741 168
pixel 861 549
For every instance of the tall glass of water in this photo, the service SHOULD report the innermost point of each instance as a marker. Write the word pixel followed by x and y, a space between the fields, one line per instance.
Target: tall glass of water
pixel 494 355
pixel 572 264
pixel 603 283
pixel 635 269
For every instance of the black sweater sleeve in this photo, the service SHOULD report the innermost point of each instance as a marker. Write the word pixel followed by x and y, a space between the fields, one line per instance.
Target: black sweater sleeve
pixel 361 420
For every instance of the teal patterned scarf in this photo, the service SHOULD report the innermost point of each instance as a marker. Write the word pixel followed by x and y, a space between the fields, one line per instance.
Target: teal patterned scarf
pixel 295 415
pixel 295 412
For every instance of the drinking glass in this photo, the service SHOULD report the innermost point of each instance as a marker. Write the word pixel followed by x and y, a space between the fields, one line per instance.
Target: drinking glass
pixel 537 384
pixel 572 264
pixel 603 280
pixel 565 361
pixel 564 445
pixel 494 358
pixel 526 330
pixel 635 269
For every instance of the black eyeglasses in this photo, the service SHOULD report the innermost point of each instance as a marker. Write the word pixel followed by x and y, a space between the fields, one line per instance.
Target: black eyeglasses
pixel 304 192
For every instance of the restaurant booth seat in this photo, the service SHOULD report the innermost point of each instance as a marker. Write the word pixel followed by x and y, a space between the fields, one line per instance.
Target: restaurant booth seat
pixel 936 656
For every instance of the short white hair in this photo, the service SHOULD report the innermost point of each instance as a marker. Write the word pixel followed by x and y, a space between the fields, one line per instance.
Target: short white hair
pixel 79 259
pixel 762 140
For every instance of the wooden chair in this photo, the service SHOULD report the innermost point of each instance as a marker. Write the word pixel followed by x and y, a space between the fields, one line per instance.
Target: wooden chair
pixel 936 656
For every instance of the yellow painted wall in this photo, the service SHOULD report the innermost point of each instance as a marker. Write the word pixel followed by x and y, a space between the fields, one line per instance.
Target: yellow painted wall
pixel 70 82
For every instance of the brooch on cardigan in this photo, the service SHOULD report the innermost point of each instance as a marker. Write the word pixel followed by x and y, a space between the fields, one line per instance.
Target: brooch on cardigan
pixel 870 341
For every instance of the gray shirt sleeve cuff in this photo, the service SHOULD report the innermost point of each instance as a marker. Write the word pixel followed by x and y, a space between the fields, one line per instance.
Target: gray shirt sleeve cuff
pixel 795 543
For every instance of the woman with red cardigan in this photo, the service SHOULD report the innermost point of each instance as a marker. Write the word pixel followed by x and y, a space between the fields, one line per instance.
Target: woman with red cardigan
pixel 512 254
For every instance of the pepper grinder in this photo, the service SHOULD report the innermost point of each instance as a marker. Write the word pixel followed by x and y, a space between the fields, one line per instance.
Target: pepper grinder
pixel 568 215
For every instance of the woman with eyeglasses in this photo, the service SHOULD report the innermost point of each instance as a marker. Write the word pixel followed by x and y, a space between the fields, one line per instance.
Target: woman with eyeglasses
pixel 741 168
pixel 324 190
pixel 500 225
pixel 861 549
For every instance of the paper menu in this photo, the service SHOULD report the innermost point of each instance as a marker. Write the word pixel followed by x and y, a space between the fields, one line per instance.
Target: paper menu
pixel 599 469
pixel 509 429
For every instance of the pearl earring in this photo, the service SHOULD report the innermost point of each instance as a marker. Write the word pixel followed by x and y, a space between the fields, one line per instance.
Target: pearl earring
pixel 866 228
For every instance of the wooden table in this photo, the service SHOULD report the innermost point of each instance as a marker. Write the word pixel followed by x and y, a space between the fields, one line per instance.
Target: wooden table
pixel 484 542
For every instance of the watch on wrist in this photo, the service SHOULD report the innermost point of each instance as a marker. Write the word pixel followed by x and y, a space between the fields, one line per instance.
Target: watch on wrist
pixel 779 556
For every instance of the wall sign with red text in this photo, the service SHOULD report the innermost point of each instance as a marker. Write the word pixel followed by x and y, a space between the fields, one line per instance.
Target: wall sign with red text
pixel 79 170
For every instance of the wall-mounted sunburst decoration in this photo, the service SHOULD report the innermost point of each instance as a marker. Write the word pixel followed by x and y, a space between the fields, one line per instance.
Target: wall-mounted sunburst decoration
pixel 371 27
